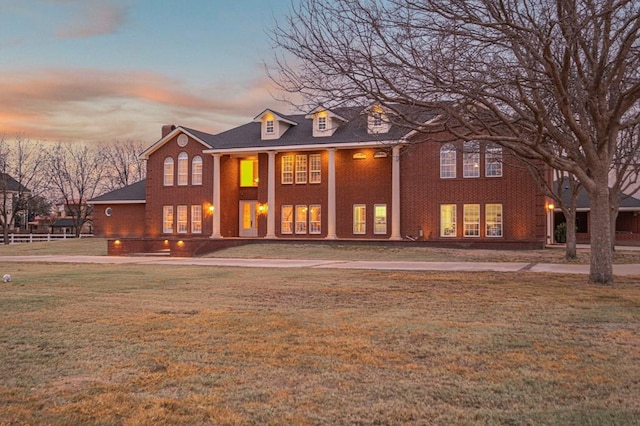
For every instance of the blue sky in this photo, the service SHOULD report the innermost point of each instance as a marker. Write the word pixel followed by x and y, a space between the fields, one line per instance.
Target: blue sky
pixel 101 70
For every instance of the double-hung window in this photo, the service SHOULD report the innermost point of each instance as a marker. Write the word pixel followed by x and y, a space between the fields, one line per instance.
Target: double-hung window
pixel 315 168
pixel 270 127
pixel 448 161
pixel 301 219
pixel 471 159
pixel 448 220
pixel 359 219
pixel 493 161
pixel 182 219
pixel 196 219
pixel 493 219
pixel 380 219
pixel 287 169
pixel 287 219
pixel 168 171
pixel 196 170
pixel 322 123
pixel 301 169
pixel 314 219
pixel 183 169
pixel 167 219
pixel 472 220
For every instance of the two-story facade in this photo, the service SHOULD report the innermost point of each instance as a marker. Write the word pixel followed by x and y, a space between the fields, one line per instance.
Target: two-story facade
pixel 343 174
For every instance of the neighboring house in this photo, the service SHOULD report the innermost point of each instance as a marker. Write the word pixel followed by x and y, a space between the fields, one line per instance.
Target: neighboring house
pixel 10 188
pixel 63 220
pixel 627 223
pixel 341 174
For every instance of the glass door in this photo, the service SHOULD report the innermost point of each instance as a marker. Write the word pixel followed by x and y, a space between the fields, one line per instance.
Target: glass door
pixel 248 222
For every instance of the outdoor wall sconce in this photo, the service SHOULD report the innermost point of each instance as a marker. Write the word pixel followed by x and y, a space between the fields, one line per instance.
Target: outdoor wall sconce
pixel 380 154
pixel 359 156
pixel 262 209
pixel 551 207
pixel 117 242
pixel 180 243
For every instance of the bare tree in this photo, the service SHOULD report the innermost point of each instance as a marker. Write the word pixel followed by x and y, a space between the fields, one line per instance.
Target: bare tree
pixel 535 76
pixel 75 173
pixel 21 179
pixel 124 165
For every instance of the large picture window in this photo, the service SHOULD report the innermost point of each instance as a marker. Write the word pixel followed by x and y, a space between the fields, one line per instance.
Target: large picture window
pixel 314 219
pixel 493 215
pixel 493 161
pixel 448 220
pixel 471 220
pixel 196 170
pixel 196 219
pixel 183 169
pixel 380 219
pixel 287 219
pixel 471 159
pixel 359 219
pixel 301 169
pixel 168 171
pixel 167 219
pixel 448 161
pixel 315 168
pixel 248 172
pixel 287 169
pixel 182 219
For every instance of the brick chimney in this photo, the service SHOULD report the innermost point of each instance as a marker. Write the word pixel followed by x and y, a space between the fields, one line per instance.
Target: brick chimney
pixel 167 128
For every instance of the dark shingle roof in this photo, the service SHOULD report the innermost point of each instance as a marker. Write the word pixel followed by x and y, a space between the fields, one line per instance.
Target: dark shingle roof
pixel 11 184
pixel 133 192
pixel 627 201
pixel 354 130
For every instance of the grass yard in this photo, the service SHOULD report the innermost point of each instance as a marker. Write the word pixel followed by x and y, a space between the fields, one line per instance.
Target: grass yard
pixel 111 345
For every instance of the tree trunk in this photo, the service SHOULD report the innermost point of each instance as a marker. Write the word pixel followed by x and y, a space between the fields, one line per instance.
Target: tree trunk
pixel 601 271
pixel 614 219
pixel 570 249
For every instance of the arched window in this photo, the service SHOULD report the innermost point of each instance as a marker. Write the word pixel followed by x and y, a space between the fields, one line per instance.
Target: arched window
pixel 471 159
pixel 183 169
pixel 448 161
pixel 168 171
pixel 196 170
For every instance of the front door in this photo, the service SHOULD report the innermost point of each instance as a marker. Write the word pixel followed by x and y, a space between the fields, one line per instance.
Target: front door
pixel 248 222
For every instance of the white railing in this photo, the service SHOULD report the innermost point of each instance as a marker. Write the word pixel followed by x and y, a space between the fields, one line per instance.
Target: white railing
pixel 32 238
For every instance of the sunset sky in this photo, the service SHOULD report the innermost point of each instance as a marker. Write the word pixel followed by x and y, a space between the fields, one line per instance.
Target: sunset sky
pixel 104 70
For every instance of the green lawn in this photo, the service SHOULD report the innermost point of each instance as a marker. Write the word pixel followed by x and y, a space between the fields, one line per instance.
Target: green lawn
pixel 105 344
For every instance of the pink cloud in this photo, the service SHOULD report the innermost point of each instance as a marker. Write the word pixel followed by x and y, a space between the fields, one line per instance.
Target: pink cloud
pixel 96 105
pixel 91 18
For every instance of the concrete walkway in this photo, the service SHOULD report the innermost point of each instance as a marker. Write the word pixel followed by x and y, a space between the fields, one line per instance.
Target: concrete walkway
pixel 622 269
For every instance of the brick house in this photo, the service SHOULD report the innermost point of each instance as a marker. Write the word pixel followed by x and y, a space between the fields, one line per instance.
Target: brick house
pixel 342 174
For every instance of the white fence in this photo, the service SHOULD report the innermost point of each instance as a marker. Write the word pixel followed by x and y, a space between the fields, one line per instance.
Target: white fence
pixel 32 238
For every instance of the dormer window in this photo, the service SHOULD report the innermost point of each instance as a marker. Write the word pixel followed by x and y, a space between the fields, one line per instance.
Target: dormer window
pixel 269 127
pixel 377 119
pixel 322 123
pixel 272 124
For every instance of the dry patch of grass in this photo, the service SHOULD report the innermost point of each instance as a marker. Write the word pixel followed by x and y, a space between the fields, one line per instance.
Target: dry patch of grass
pixel 71 246
pixel 200 345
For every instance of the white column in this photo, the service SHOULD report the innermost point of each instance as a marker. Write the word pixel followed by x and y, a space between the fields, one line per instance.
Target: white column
pixel 395 194
pixel 271 196
pixel 331 202
pixel 216 197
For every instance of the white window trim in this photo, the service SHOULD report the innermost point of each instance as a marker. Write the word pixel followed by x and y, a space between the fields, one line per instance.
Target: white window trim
pixel 493 152
pixel 290 222
pixel 301 169
pixel 454 223
pixel 319 222
pixel 166 211
pixel 287 176
pixel 168 178
pixel 186 219
pixel 487 222
pixel 444 151
pixel 183 169
pixel 471 160
pixel 363 222
pixel 298 221
pixel 196 219
pixel 196 170
pixel 465 223
pixel 375 217
pixel 315 173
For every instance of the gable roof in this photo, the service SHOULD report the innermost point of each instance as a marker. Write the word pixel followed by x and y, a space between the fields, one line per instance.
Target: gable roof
pixel 627 202
pixel 131 194
pixel 353 131
pixel 10 184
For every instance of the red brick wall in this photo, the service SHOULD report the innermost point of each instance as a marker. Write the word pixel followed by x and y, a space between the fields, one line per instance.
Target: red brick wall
pixel 423 191
pixel 159 195
pixel 126 220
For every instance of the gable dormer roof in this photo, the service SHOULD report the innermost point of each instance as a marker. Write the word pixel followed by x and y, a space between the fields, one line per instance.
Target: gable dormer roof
pixel 273 124
pixel 325 121
pixel 173 133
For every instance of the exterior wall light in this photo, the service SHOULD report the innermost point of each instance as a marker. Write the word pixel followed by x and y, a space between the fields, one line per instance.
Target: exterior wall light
pixel 359 156
pixel 262 209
